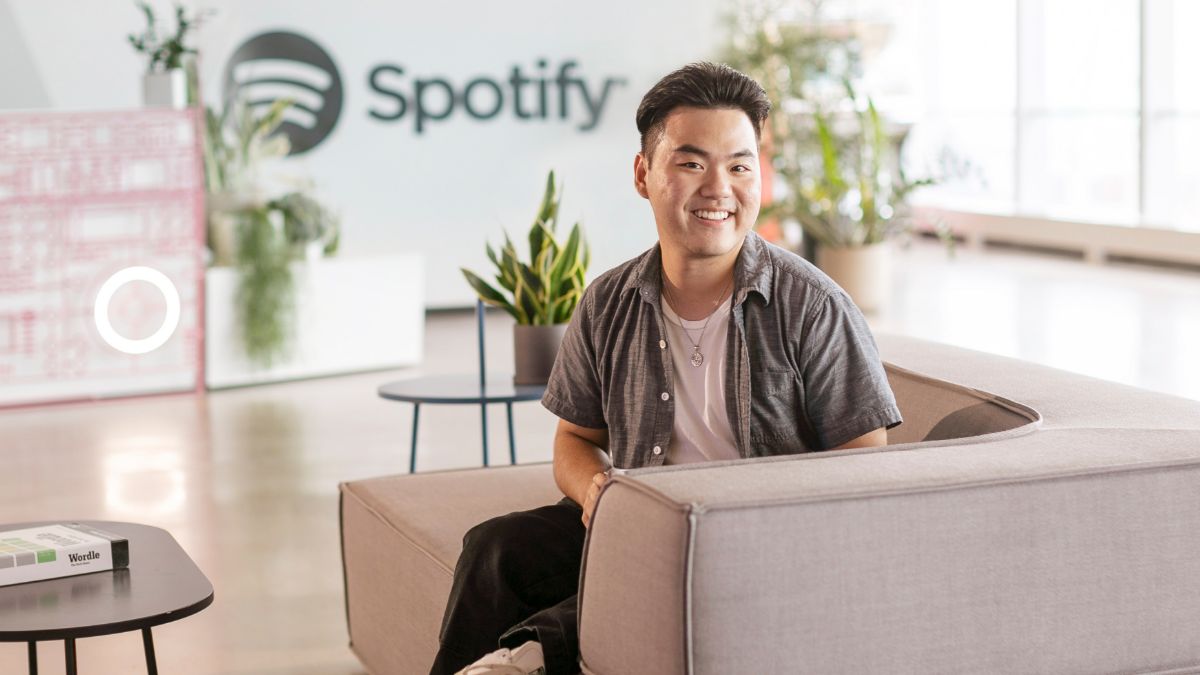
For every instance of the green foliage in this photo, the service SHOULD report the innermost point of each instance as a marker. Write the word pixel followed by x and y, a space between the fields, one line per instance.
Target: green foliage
pixel 305 220
pixel 270 232
pixel 546 290
pixel 237 141
pixel 165 53
pixel 830 147
pixel 266 289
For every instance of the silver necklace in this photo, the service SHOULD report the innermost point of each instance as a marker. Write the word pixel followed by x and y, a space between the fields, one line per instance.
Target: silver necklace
pixel 697 356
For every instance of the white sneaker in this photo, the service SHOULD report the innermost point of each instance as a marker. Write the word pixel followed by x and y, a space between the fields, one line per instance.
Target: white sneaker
pixel 524 660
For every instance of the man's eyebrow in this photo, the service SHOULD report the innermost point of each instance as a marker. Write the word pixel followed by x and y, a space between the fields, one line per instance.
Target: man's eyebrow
pixel 690 149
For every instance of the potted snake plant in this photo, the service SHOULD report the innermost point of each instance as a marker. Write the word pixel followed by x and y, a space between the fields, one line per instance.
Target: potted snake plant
pixel 540 294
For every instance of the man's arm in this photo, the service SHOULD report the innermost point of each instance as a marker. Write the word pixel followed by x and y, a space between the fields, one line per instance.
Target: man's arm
pixel 579 464
pixel 872 439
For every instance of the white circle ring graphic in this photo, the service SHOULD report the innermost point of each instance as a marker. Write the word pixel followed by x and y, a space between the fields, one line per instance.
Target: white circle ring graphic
pixel 170 321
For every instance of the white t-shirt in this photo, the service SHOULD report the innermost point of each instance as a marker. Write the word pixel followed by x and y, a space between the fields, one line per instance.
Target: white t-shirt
pixel 701 431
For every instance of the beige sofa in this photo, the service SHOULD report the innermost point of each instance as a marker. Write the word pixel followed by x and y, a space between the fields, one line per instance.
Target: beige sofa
pixel 1025 520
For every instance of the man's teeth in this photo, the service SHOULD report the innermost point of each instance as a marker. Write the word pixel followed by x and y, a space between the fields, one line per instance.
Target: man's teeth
pixel 712 215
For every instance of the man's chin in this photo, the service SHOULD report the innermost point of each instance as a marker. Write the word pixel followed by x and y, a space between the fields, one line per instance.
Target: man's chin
pixel 715 247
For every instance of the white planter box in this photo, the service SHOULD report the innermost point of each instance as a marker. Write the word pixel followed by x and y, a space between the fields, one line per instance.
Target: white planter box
pixel 351 315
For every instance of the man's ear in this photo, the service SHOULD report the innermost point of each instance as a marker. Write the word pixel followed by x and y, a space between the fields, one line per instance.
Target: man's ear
pixel 641 166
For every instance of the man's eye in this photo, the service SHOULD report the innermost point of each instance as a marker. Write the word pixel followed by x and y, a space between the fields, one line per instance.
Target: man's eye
pixel 690 165
pixel 741 168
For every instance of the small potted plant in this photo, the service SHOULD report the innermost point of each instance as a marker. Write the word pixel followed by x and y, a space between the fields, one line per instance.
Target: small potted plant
pixel 166 82
pixel 541 294
pixel 847 189
pixel 836 158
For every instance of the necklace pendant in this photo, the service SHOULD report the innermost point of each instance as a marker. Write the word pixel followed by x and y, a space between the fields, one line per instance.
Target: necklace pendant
pixel 697 358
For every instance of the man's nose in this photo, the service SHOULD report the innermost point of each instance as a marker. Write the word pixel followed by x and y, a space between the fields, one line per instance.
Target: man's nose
pixel 716 184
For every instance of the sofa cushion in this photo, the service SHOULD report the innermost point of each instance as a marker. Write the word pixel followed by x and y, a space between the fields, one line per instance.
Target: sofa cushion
pixel 401 536
pixel 937 410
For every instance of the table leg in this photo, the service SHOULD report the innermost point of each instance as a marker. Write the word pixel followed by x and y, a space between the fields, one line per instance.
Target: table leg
pixel 32 658
pixel 412 460
pixel 512 442
pixel 70 647
pixel 483 412
pixel 148 645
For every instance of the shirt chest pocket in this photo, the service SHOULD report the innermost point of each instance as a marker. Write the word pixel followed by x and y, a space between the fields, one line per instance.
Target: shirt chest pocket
pixel 777 416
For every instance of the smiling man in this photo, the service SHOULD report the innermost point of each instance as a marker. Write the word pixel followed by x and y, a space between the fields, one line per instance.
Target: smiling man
pixel 712 345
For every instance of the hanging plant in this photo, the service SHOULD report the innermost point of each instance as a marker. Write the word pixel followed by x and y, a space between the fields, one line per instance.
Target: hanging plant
pixel 257 235
pixel 266 290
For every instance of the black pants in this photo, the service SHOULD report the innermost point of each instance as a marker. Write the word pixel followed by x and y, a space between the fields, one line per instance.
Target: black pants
pixel 516 580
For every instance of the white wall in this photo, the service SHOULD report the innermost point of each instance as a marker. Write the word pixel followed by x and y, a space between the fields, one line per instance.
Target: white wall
pixel 440 193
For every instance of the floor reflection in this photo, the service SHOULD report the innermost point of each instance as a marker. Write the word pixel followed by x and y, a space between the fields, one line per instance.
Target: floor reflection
pixel 246 479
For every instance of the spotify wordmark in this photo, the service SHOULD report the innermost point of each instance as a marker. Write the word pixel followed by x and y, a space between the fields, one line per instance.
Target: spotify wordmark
pixel 281 64
pixel 540 94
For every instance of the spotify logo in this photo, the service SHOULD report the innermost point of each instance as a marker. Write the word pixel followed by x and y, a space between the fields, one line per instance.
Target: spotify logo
pixel 277 65
pixel 281 64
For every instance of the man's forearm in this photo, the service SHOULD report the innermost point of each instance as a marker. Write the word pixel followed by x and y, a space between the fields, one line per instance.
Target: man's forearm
pixel 576 460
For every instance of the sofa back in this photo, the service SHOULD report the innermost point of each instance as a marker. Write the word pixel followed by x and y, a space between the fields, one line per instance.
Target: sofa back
pixel 1064 547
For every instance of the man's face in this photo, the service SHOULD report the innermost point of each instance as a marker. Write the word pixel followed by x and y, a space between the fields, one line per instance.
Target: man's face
pixel 702 181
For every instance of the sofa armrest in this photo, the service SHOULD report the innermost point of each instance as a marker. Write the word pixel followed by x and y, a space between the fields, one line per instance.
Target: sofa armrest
pixel 1069 550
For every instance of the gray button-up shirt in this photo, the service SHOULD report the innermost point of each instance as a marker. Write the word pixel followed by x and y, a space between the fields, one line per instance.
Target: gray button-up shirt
pixel 802 371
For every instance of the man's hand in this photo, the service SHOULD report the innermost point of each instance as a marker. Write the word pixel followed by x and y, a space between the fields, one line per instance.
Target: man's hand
pixel 580 463
pixel 593 493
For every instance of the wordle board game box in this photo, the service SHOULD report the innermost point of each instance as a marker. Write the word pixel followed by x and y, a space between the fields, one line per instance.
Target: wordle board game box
pixel 61 550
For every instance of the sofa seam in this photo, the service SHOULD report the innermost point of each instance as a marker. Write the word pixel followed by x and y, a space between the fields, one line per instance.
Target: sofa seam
pixel 690 510
pixel 407 539
pixel 970 485
pixel 345 571
pixel 689 609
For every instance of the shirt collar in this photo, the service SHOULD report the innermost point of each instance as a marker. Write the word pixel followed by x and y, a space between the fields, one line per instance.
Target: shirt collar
pixel 752 271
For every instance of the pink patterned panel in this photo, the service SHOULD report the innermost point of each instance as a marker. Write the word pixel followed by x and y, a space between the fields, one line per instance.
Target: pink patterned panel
pixel 101 254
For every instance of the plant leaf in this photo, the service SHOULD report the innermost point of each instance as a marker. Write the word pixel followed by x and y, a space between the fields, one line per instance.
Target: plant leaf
pixel 560 310
pixel 486 293
pixel 567 260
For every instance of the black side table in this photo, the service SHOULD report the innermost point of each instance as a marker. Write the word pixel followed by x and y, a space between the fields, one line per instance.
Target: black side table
pixel 458 390
pixel 161 585
pixel 480 390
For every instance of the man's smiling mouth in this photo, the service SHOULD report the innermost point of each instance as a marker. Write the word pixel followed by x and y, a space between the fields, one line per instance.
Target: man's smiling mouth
pixel 712 216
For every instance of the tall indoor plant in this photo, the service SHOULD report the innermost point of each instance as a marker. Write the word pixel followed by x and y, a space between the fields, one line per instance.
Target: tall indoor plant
pixel 540 294
pixel 256 232
pixel 836 158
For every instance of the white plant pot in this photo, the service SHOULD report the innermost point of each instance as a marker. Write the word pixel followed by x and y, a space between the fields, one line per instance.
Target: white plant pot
pixel 865 272
pixel 167 89
pixel 222 238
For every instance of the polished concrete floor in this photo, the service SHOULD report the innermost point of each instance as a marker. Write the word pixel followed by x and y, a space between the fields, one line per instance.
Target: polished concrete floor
pixel 246 479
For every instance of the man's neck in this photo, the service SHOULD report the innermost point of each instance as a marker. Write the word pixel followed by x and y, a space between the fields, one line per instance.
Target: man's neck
pixel 696 287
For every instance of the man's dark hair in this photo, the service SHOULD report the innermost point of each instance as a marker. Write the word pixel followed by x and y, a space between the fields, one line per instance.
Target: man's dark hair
pixel 699 85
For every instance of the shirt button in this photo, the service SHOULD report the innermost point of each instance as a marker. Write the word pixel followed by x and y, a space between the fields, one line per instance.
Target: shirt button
pixel 657 450
pixel 662 344
pixel 665 396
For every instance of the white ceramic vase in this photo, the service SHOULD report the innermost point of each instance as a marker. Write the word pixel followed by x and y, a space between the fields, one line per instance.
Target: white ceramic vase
pixel 864 272
pixel 165 89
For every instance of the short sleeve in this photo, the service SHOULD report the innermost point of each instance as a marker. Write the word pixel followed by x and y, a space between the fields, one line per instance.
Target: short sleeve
pixel 847 390
pixel 573 391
